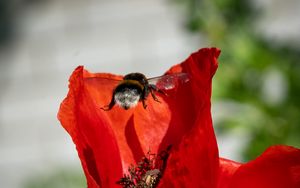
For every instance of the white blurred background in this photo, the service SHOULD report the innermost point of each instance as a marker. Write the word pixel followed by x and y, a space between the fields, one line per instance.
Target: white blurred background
pixel 46 39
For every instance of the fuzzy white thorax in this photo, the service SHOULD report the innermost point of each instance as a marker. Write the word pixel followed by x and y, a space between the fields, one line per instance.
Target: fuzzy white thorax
pixel 127 98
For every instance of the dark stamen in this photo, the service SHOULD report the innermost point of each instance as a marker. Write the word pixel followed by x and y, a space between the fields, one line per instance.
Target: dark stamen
pixel 147 173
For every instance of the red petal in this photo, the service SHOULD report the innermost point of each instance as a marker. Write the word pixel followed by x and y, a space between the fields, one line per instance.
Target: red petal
pixel 277 167
pixel 226 170
pixel 194 162
pixel 95 141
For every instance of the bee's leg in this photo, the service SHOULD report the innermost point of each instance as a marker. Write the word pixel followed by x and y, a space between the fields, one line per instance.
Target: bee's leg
pixel 144 103
pixel 144 96
pixel 153 88
pixel 110 106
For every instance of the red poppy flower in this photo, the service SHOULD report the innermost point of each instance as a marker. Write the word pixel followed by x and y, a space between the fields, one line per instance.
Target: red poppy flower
pixel 109 142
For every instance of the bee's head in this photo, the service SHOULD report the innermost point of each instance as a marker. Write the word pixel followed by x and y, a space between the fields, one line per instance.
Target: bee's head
pixel 127 97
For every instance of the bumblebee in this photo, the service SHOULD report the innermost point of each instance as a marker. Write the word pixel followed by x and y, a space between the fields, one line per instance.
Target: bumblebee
pixel 136 87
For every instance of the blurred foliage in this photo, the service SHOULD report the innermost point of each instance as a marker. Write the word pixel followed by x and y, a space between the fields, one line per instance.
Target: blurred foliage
pixel 67 178
pixel 262 79
pixel 5 21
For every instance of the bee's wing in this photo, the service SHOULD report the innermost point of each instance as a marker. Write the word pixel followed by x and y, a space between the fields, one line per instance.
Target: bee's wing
pixel 169 81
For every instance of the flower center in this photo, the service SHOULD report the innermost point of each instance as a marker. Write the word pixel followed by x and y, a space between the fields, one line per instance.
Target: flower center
pixel 147 173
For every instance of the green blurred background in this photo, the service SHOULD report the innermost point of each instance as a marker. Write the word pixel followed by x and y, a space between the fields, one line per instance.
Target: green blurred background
pixel 255 90
pixel 258 80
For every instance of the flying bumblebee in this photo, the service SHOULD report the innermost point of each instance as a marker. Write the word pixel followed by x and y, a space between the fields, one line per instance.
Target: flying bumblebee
pixel 136 87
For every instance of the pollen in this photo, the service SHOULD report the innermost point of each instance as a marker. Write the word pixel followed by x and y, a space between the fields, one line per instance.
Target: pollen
pixel 147 173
